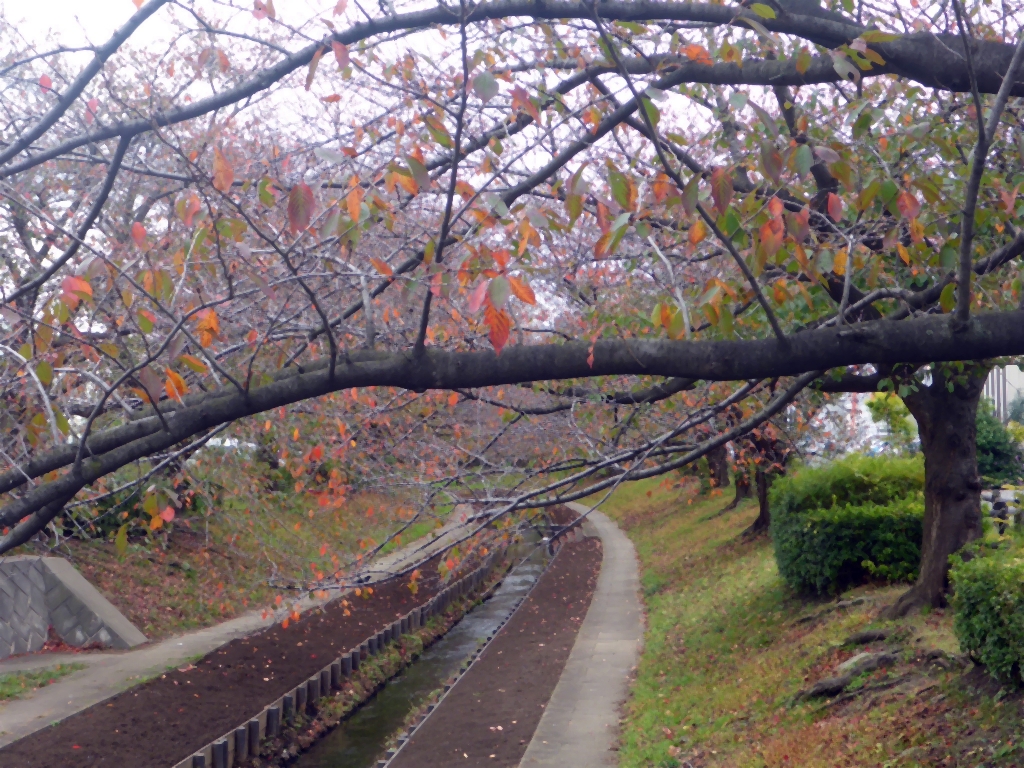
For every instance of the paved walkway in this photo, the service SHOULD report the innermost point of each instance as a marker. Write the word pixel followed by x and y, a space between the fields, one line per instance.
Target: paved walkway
pixel 580 723
pixel 107 673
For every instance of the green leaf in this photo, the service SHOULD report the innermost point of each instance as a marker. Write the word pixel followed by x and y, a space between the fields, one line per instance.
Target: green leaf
pixel 771 161
pixel 419 173
pixel 948 257
pixel 691 195
pixel 499 290
pixel 767 120
pixel 947 299
pixel 729 222
pixel 620 188
pixel 485 86
pixel 803 160
pixel 266 195
pixel 762 10
pixel 656 315
pixel 725 326
pixel 45 373
pixel 653 114
pixel 121 540
pixel 738 100
pixel 675 326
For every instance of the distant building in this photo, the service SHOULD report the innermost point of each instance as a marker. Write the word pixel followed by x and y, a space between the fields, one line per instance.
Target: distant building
pixel 1004 385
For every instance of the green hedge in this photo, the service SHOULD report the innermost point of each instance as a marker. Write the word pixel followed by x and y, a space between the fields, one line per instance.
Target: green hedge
pixel 988 605
pixel 853 519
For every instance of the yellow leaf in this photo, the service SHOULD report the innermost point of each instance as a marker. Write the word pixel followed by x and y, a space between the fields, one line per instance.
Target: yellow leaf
pixel 839 263
pixel 904 253
pixel 175 386
pixel 381 266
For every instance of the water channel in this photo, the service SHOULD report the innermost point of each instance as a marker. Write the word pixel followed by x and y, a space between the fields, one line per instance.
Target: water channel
pixel 360 740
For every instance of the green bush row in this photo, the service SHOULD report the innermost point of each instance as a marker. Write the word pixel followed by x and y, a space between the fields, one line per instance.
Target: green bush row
pixel 847 521
pixel 988 605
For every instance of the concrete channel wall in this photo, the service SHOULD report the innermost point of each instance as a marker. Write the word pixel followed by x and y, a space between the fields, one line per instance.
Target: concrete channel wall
pixel 37 593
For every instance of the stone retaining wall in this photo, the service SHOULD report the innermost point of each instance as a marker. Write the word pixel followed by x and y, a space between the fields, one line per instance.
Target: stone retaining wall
pixel 37 593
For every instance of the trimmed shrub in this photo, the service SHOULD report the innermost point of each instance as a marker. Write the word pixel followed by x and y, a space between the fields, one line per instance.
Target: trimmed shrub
pixel 848 521
pixel 988 605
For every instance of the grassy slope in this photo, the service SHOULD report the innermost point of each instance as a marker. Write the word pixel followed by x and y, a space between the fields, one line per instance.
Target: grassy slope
pixel 724 658
pixel 189 580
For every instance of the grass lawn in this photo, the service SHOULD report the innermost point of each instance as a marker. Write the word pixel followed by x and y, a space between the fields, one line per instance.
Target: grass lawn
pixel 726 653
pixel 17 684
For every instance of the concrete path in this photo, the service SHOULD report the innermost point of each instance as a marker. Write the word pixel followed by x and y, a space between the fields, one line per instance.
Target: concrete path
pixel 108 673
pixel 580 722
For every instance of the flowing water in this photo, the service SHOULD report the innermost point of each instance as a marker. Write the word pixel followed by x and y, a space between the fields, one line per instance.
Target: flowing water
pixel 358 741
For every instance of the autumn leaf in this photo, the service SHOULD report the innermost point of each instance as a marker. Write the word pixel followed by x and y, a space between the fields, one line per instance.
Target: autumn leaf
pixel 340 7
pixel 139 234
pixel 223 175
pixel 476 298
pixel 908 204
pixel 698 231
pixel 771 161
pixel 835 206
pixel 522 291
pixel 721 189
pixel 354 202
pixel 381 266
pixel 340 53
pixel 175 385
pixel 313 63
pixel 167 514
pixel 208 326
pixel 194 363
pixel 453 399
pixel 500 324
pixel 300 207
pixel 45 83
pixel 699 54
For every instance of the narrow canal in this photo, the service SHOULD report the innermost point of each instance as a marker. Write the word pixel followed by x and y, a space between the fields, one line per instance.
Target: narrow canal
pixel 361 739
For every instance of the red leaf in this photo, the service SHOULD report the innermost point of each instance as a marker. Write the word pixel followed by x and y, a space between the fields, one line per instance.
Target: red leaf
pixel 92 108
pixel 835 207
pixel 139 234
pixel 300 207
pixel 340 7
pixel 45 83
pixel 522 290
pixel 191 209
pixel 721 188
pixel 476 298
pixel 332 99
pixel 340 53
pixel 908 204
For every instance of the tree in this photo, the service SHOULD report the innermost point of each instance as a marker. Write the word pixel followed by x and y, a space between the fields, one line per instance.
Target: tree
pixel 608 222
pixel 888 409
pixel 998 454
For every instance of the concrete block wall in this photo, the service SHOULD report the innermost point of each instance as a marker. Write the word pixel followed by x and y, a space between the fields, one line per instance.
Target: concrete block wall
pixel 39 592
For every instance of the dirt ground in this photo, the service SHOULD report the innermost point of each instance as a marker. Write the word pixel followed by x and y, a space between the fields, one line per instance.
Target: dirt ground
pixel 489 718
pixel 164 720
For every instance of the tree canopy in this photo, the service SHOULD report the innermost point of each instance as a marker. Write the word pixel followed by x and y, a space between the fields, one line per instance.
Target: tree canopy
pixel 634 230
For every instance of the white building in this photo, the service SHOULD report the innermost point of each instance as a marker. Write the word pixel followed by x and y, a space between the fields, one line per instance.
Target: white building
pixel 1003 386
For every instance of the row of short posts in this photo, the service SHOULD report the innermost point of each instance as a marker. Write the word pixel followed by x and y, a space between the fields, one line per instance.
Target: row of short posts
pixel 244 742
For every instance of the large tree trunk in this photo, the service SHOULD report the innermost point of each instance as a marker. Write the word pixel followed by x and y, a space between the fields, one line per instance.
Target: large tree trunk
pixel 718 464
pixel 952 487
pixel 762 481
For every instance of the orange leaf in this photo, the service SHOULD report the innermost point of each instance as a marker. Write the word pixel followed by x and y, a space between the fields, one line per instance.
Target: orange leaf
pixel 223 173
pixel 139 234
pixel 698 232
pixel 176 386
pixel 333 98
pixel 835 206
pixel 208 326
pixel 500 324
pixel 453 399
pixel 354 203
pixel 167 514
pixel 381 266
pixel 522 291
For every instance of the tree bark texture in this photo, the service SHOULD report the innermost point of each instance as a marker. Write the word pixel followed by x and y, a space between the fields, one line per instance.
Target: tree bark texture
pixel 718 464
pixel 762 482
pixel 952 493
